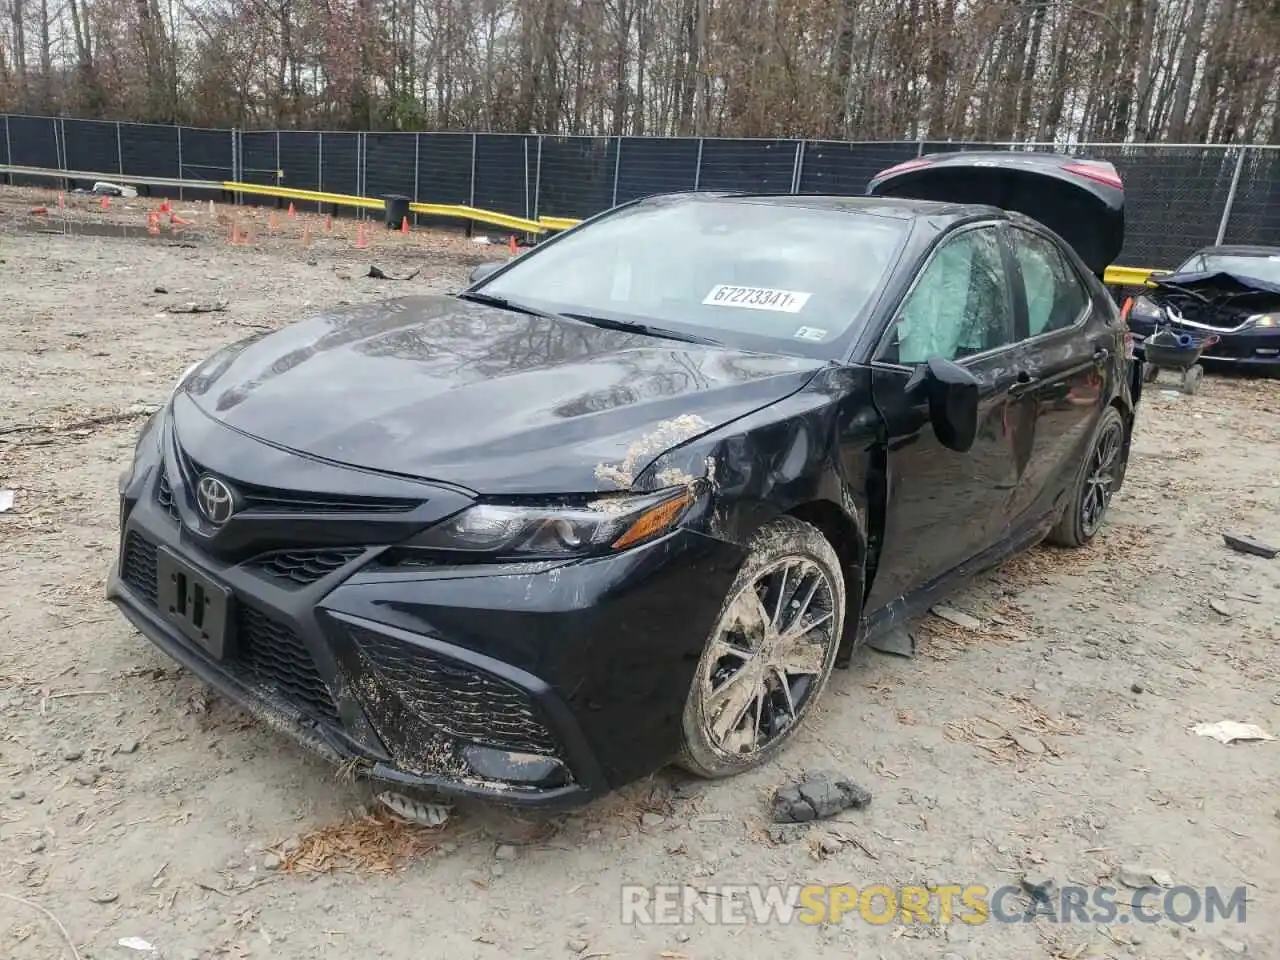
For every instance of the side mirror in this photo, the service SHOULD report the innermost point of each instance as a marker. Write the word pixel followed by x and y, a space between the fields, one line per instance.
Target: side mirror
pixel 952 392
pixel 484 269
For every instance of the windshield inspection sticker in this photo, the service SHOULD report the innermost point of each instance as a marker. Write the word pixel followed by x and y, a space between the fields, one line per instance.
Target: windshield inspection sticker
pixel 810 333
pixel 757 298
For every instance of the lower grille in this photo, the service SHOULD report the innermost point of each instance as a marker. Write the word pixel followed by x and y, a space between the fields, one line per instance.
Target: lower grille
pixel 297 568
pixel 271 652
pixel 266 651
pixel 138 566
pixel 463 702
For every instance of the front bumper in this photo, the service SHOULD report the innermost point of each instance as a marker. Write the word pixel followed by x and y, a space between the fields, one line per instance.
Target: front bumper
pixel 1254 348
pixel 542 684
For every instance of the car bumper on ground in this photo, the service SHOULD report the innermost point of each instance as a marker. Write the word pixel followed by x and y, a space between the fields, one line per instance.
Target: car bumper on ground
pixel 542 684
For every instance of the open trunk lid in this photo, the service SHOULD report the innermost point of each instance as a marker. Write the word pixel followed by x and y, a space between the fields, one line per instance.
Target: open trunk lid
pixel 1080 200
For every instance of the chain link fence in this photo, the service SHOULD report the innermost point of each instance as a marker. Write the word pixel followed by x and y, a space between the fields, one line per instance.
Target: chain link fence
pixel 1180 197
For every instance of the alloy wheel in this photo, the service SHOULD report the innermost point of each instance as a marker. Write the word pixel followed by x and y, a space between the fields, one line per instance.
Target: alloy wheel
pixel 1100 480
pixel 767 656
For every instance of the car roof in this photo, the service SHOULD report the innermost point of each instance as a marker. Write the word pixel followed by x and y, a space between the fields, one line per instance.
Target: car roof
pixel 1239 250
pixel 895 207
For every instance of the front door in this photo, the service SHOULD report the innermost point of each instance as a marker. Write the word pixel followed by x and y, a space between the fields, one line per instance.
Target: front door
pixel 944 507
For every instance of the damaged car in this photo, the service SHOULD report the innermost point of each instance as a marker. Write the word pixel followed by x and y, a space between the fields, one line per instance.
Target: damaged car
pixel 630 497
pixel 1229 295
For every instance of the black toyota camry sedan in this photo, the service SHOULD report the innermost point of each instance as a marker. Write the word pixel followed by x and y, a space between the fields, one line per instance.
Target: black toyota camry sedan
pixel 631 496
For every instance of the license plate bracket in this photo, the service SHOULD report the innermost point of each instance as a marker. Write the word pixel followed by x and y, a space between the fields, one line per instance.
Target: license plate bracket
pixel 194 603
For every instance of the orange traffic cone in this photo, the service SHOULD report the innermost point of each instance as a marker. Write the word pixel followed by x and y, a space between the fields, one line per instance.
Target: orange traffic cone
pixel 328 224
pixel 106 202
pixel 404 225
pixel 361 241
pixel 306 234
pixel 62 200
pixel 513 247
pixel 271 222
pixel 292 213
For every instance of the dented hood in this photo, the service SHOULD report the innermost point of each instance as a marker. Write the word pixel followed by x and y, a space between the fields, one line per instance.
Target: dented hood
pixel 1220 283
pixel 491 400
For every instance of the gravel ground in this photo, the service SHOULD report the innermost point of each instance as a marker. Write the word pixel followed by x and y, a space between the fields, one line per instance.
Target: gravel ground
pixel 1050 743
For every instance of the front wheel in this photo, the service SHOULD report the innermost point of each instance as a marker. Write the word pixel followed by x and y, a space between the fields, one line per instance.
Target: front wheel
pixel 769 655
pixel 1101 477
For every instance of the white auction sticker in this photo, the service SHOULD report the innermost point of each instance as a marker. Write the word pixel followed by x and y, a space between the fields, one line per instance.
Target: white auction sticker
pixel 757 298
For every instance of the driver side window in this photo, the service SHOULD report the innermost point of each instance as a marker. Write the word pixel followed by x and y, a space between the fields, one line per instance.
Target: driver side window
pixel 960 304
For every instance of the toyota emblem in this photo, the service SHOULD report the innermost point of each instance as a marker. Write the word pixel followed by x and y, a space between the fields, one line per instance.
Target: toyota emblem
pixel 216 500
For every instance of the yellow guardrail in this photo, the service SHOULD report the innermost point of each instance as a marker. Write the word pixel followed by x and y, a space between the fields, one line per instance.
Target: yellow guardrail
pixel 480 216
pixel 314 196
pixel 558 223
pixel 1129 276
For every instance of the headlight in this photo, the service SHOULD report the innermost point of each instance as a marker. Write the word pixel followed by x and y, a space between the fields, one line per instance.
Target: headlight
pixel 1265 320
pixel 606 526
pixel 1144 308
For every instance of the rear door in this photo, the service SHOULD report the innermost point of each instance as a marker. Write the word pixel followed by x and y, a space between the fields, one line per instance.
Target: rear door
pixel 944 507
pixel 1068 353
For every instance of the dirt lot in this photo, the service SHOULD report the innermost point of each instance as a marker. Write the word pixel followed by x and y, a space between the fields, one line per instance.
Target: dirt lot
pixel 134 804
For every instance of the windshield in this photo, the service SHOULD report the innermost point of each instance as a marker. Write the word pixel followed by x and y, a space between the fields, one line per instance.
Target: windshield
pixel 1254 267
pixel 754 275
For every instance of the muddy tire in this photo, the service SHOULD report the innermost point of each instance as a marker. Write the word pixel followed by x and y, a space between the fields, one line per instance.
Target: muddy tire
pixel 1099 479
pixel 770 654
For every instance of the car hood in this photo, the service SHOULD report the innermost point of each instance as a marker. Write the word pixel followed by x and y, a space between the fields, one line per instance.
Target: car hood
pixel 492 400
pixel 1220 283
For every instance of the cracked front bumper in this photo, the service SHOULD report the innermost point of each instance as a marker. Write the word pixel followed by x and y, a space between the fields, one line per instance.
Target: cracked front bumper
pixel 530 684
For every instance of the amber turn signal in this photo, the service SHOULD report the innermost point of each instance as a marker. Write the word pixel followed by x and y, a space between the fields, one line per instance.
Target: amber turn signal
pixel 655 520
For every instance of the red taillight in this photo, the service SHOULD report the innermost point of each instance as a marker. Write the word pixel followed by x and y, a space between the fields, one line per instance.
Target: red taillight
pixel 1096 171
pixel 903 168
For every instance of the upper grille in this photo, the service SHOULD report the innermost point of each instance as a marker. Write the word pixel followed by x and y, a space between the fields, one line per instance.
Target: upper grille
pixel 297 568
pixel 271 500
pixel 270 651
pixel 463 702
pixel 164 495
pixel 138 566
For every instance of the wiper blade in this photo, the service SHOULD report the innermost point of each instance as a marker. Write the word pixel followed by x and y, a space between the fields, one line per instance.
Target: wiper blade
pixel 625 326
pixel 502 303
pixel 645 329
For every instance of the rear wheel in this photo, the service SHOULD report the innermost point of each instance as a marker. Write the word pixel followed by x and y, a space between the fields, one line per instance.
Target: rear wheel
pixel 1150 372
pixel 769 655
pixel 1100 479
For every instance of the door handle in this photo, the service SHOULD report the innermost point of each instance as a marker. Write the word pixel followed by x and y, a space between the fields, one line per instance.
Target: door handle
pixel 1101 354
pixel 1022 382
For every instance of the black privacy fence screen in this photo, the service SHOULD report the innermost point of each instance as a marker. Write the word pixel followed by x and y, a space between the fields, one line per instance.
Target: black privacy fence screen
pixel 1180 197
